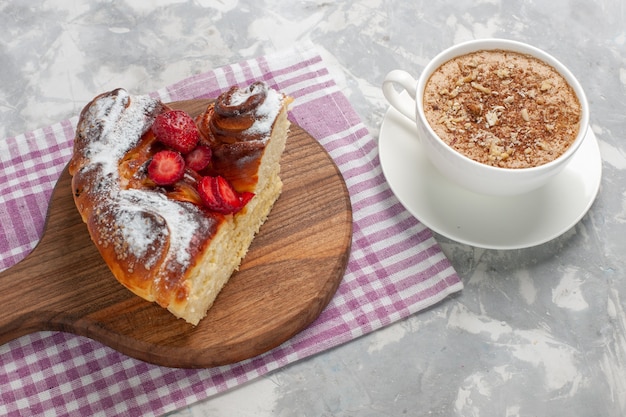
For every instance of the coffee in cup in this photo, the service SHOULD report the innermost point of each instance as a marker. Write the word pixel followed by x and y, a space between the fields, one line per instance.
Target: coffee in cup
pixel 502 108
pixel 495 116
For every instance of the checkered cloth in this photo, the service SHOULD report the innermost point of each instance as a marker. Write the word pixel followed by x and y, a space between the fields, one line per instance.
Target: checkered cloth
pixel 395 269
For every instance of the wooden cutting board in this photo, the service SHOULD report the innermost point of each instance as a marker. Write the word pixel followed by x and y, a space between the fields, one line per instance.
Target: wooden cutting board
pixel 289 275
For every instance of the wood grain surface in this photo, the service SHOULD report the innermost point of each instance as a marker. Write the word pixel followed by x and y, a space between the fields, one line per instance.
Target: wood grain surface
pixel 289 275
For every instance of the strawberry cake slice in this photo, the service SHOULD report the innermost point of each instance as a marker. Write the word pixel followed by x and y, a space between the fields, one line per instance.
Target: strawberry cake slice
pixel 173 202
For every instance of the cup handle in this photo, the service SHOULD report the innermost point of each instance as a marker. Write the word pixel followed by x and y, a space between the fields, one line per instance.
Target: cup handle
pixel 408 83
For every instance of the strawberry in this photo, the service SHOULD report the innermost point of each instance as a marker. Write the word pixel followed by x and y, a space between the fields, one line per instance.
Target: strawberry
pixel 244 197
pixel 166 167
pixel 199 158
pixel 208 194
pixel 176 129
pixel 218 195
pixel 230 199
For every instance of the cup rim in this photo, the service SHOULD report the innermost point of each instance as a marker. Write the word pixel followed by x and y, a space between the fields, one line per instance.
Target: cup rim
pixel 514 46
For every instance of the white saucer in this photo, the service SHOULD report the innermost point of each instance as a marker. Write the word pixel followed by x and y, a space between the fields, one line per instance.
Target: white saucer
pixel 479 220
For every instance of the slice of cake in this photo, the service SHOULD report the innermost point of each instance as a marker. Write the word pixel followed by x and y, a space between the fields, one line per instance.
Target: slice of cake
pixel 173 202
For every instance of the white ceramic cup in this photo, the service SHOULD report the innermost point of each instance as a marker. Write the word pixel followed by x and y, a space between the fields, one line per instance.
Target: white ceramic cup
pixel 466 172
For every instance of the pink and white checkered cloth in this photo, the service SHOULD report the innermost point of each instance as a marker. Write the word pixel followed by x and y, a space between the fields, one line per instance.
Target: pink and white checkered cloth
pixel 395 269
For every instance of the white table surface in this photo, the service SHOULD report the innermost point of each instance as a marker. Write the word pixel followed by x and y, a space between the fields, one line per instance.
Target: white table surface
pixel 535 332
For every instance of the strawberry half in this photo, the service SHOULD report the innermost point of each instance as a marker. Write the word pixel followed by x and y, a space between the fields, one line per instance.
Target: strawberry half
pixel 199 158
pixel 166 167
pixel 176 129
pixel 218 195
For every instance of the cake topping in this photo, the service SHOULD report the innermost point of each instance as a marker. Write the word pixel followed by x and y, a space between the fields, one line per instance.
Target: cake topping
pixel 105 142
pixel 245 113
pixel 185 178
pixel 176 129
pixel 166 167
pixel 237 101
pixel 218 195
pixel 199 158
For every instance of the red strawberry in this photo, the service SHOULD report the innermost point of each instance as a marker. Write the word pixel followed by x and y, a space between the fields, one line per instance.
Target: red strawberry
pixel 199 158
pixel 166 167
pixel 218 195
pixel 231 200
pixel 244 197
pixel 176 129
pixel 208 194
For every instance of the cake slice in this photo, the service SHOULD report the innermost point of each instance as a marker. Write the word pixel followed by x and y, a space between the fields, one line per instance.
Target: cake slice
pixel 173 202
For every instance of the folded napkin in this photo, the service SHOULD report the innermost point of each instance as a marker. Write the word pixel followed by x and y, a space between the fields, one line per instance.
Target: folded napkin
pixel 395 269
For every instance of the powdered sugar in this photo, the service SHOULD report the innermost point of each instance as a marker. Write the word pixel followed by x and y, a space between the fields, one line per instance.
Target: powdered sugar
pixel 239 96
pixel 182 223
pixel 267 112
pixel 136 229
pixel 122 121
pixel 245 100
